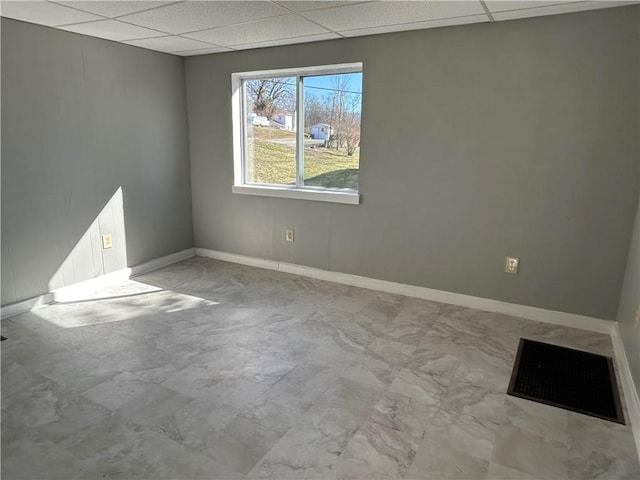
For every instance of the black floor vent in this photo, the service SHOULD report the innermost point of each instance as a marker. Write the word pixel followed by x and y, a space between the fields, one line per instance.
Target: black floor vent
pixel 579 381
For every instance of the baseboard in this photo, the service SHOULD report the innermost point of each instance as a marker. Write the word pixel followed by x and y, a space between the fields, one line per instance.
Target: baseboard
pixel 628 387
pixel 160 262
pixel 486 304
pixel 27 305
pixel 241 259
pixel 73 292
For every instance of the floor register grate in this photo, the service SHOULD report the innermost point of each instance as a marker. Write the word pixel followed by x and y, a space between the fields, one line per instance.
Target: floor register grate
pixel 578 381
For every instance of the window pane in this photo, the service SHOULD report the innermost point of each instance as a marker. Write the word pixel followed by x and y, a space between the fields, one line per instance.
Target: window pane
pixel 332 110
pixel 270 138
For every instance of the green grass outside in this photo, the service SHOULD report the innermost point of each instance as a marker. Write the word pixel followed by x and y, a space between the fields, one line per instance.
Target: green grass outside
pixel 275 163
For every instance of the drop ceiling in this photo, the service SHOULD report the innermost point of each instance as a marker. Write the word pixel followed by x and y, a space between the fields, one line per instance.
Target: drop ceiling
pixel 200 27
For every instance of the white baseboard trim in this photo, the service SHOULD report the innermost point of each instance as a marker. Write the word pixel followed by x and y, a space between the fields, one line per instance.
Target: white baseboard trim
pixel 628 387
pixel 236 258
pixel 160 262
pixel 489 305
pixel 72 292
pixel 25 305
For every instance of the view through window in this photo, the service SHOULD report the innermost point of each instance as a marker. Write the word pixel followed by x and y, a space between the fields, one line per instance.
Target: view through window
pixel 303 130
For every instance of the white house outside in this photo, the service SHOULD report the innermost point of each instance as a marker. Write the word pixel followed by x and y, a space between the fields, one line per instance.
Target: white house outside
pixel 321 131
pixel 286 121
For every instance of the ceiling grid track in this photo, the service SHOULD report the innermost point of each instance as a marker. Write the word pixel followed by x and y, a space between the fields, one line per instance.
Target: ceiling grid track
pixel 487 11
pixel 187 28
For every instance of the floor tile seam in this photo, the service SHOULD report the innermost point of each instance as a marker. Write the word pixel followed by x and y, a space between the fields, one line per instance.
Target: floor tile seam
pixel 476 384
pixel 202 450
pixel 33 330
pixel 368 415
pixel 363 425
pixel 92 355
pixel 409 357
pixel 361 384
pixel 473 337
pixel 200 453
pixel 484 424
pixel 197 359
pixel 52 379
pixel 202 273
pixel 264 394
pixel 632 457
pixel 19 423
pixel 59 443
pixel 422 445
pixel 371 418
pixel 138 377
pixel 42 429
pixel 3 362
pixel 451 376
pixel 124 406
pixel 7 399
pixel 243 415
pixel 38 338
pixel 313 447
pixel 48 440
pixel 523 473
pixel 443 403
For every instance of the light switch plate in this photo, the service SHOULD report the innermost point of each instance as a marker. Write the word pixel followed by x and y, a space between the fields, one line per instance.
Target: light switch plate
pixel 107 241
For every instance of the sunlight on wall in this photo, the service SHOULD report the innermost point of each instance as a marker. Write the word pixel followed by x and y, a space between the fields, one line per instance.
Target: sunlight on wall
pixel 89 259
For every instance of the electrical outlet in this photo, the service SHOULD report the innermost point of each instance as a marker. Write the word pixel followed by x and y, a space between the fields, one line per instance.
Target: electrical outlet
pixel 107 241
pixel 290 235
pixel 511 265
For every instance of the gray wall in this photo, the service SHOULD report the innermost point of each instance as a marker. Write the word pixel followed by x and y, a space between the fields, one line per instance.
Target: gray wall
pixel 81 119
pixel 630 304
pixel 515 138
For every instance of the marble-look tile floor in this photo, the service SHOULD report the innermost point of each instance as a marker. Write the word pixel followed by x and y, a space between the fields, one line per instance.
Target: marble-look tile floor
pixel 211 370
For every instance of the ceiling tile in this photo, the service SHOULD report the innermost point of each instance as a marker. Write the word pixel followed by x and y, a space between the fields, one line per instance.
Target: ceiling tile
pixel 44 13
pixel 556 9
pixel 170 44
pixel 191 16
pixel 204 51
pixel 445 22
pixel 304 6
pixel 380 14
pixel 263 30
pixel 114 8
pixel 287 41
pixel 112 30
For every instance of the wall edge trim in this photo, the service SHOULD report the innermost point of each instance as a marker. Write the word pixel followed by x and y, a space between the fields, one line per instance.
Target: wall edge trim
pixel 628 387
pixel 70 292
pixel 497 306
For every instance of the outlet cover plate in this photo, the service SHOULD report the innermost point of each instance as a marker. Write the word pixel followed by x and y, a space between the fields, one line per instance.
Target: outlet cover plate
pixel 511 265
pixel 107 241
pixel 290 235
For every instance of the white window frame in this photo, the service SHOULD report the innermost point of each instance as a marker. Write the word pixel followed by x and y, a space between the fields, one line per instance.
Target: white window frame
pixel 239 114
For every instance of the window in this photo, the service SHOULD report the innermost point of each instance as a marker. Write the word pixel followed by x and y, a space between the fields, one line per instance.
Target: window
pixel 297 132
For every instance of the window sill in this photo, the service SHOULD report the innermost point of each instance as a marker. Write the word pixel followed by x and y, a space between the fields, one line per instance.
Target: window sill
pixel 299 193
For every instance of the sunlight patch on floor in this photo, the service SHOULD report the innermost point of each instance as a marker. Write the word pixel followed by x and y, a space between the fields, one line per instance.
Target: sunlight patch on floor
pixel 115 303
